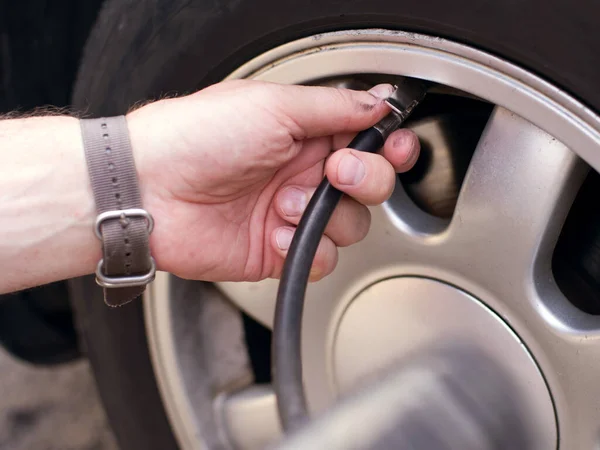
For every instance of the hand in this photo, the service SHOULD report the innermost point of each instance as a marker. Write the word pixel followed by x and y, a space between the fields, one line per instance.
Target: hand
pixel 228 171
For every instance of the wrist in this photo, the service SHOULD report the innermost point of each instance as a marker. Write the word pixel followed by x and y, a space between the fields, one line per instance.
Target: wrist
pixel 147 139
pixel 143 147
pixel 70 195
pixel 48 212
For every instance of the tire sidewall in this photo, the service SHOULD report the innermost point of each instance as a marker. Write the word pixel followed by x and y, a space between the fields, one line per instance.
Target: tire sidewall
pixel 142 50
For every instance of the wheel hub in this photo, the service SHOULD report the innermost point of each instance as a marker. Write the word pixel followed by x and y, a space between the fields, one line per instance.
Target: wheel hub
pixel 394 319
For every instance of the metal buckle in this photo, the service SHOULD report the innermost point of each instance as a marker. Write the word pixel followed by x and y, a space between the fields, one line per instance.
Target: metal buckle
pixel 123 214
pixel 124 281
pixel 107 281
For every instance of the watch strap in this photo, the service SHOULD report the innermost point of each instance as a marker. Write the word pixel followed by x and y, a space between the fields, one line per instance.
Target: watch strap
pixel 122 224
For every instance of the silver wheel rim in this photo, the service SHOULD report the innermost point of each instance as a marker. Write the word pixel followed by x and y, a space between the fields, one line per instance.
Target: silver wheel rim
pixel 510 193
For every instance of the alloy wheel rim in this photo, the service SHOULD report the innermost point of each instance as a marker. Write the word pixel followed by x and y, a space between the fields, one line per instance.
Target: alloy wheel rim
pixel 560 337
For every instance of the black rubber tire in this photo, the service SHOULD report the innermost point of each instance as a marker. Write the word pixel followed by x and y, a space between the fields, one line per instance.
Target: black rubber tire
pixel 40 46
pixel 141 49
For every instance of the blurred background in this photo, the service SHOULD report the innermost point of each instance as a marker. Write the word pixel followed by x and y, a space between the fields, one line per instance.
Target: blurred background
pixel 54 408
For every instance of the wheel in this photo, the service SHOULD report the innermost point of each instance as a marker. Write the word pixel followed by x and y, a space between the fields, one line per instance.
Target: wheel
pixel 507 145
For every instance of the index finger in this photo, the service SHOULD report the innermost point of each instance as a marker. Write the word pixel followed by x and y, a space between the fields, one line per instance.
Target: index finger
pixel 313 111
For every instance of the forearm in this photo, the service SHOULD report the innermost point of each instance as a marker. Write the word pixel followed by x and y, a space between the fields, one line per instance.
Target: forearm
pixel 46 204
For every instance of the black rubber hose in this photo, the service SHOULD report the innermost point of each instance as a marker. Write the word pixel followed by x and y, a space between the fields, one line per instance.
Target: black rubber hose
pixel 287 366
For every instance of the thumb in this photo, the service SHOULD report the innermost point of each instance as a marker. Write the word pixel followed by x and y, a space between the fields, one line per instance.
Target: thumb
pixel 323 111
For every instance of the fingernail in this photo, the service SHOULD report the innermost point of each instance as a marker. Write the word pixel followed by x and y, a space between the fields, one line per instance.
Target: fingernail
pixel 293 201
pixel 314 274
pixel 283 237
pixel 351 170
pixel 381 91
pixel 402 140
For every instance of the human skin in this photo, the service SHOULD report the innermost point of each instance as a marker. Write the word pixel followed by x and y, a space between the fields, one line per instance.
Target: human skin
pixel 226 173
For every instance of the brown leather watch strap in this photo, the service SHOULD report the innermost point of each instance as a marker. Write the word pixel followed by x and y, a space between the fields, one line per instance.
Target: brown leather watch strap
pixel 122 224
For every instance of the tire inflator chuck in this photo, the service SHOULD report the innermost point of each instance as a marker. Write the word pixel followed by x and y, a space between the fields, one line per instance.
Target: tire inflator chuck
pixel 287 365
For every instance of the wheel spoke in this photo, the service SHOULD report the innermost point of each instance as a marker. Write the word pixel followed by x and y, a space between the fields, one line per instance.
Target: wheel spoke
pixel 249 418
pixel 567 348
pixel 517 192
pixel 257 299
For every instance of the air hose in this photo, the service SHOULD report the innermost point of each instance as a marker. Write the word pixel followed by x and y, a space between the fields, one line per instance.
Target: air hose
pixel 287 364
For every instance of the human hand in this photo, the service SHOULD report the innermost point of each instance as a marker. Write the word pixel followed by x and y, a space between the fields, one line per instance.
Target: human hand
pixel 227 172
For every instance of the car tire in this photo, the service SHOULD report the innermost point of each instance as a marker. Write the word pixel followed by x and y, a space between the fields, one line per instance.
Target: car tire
pixel 141 50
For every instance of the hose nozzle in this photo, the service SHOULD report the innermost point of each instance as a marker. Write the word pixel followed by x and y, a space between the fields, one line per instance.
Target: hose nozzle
pixel 408 93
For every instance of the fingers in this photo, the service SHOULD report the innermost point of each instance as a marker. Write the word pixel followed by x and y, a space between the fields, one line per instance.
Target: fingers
pixel 310 111
pixel 368 178
pixel 348 225
pixel 402 149
pixel 371 178
pixel 325 259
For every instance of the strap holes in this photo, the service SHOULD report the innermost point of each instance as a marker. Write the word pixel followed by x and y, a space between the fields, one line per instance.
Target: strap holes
pixel 114 180
pixel 105 136
pixel 117 196
pixel 103 126
pixel 108 150
pixel 126 241
pixel 111 166
pixel 128 254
